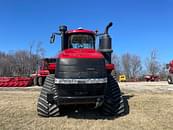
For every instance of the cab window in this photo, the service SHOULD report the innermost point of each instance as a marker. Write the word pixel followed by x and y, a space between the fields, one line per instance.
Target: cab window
pixel 81 41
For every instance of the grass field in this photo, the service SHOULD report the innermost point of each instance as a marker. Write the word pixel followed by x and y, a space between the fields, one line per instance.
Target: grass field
pixel 148 111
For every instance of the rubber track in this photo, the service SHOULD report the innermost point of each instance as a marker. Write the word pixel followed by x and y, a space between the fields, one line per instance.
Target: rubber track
pixel 113 104
pixel 44 108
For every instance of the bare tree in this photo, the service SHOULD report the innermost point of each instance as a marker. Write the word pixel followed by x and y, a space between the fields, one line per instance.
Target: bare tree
pixel 116 61
pixel 40 51
pixel 163 72
pixel 152 63
pixel 136 66
pixel 126 63
pixel 21 62
pixel 5 68
pixel 131 65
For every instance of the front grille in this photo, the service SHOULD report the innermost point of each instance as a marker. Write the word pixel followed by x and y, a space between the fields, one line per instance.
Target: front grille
pixel 80 89
pixel 80 68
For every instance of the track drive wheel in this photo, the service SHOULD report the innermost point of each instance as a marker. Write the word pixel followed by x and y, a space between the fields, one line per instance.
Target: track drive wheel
pixel 40 81
pixel 113 103
pixel 35 81
pixel 169 79
pixel 46 108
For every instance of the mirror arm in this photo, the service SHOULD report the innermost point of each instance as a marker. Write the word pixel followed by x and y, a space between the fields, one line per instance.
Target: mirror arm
pixel 56 33
pixel 52 38
pixel 99 34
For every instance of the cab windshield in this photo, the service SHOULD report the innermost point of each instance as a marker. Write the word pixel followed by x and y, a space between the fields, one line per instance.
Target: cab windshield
pixel 81 41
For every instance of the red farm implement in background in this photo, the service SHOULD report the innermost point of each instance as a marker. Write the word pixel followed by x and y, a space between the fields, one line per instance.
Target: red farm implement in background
pixel 15 81
pixel 45 67
pixel 151 77
pixel 170 70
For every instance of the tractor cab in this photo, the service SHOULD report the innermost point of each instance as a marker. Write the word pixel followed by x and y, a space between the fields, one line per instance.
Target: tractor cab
pixel 81 40
pixel 86 39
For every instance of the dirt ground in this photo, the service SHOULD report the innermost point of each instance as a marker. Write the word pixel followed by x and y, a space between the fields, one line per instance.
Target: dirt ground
pixel 150 107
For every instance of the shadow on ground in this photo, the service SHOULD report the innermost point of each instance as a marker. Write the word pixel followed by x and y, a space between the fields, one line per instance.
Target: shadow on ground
pixel 88 112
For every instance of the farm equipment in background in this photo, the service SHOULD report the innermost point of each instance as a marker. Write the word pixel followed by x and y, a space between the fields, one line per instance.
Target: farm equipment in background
pixel 45 67
pixel 82 75
pixel 122 78
pixel 151 77
pixel 15 81
pixel 170 71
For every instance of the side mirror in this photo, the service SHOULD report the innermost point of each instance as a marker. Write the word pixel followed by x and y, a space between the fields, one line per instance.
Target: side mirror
pixel 52 38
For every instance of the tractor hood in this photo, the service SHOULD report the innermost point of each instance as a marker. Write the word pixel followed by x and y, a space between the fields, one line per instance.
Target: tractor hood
pixel 80 53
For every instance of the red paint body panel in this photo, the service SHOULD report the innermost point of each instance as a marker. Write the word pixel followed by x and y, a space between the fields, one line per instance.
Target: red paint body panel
pixel 171 67
pixel 110 66
pixel 51 67
pixel 80 53
pixel 43 73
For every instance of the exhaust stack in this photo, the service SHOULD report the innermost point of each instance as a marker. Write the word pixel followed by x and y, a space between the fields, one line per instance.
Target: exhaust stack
pixel 107 27
pixel 105 44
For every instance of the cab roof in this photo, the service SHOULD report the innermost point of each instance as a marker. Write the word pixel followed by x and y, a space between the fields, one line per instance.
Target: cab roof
pixel 81 31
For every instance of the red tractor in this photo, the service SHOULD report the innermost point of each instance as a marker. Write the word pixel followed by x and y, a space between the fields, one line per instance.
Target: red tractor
pixel 45 67
pixel 82 75
pixel 170 75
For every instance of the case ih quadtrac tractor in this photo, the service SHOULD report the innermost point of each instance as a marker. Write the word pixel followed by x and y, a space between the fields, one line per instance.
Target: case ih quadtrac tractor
pixel 82 75
pixel 170 75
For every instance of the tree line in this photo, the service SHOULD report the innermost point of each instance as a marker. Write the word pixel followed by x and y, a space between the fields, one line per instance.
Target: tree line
pixel 20 62
pixel 134 68
pixel 25 62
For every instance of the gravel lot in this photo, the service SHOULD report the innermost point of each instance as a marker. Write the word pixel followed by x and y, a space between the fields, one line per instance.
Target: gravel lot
pixel 150 107
pixel 152 87
pixel 148 87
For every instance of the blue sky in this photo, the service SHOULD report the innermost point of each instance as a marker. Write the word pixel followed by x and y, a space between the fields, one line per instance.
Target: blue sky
pixel 139 25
